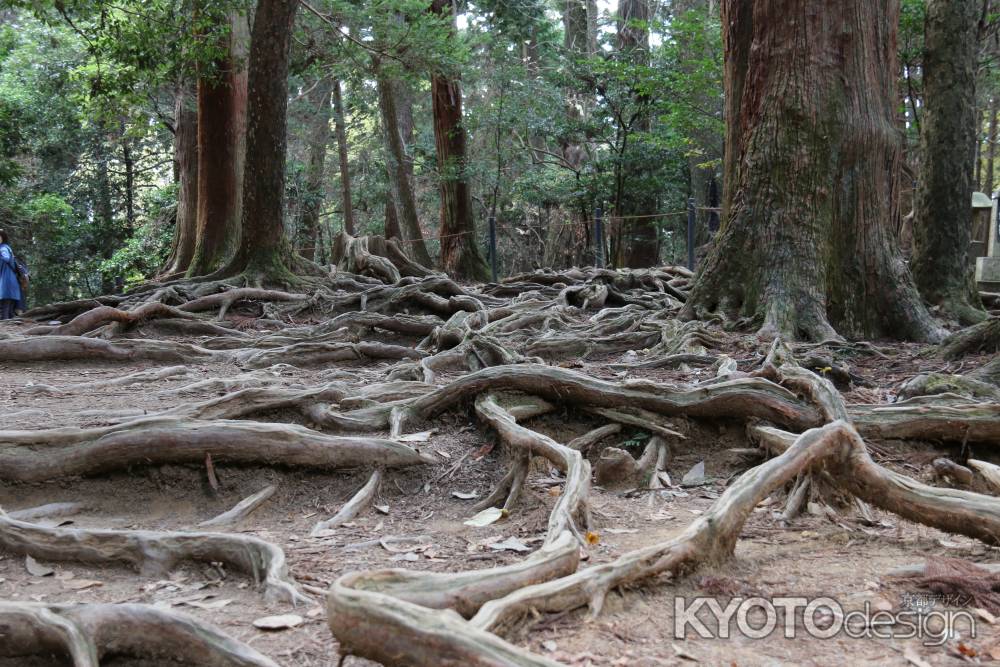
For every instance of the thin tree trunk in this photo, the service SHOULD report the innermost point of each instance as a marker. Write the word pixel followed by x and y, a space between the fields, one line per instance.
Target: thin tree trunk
pixel 264 253
pixel 942 223
pixel 312 198
pixel 221 145
pixel 978 178
pixel 991 145
pixel 340 127
pixel 559 246
pixel 128 161
pixel 815 154
pixel 461 256
pixel 400 181
pixel 186 176
pixel 636 205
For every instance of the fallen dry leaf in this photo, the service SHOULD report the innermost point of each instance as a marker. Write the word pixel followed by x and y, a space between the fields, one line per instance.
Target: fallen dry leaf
pixel 36 569
pixel 281 622
pixel 488 516
pixel 510 544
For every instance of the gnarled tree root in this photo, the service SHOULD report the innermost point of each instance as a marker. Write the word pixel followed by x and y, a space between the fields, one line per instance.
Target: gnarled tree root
pixel 741 398
pixel 33 456
pixel 711 538
pixel 88 633
pixel 942 417
pixel 155 553
pixel 92 319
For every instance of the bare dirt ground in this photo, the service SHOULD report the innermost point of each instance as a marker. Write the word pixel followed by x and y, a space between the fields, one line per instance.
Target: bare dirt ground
pixel 418 519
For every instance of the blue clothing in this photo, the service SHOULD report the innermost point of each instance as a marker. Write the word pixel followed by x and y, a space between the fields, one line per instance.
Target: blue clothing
pixel 9 287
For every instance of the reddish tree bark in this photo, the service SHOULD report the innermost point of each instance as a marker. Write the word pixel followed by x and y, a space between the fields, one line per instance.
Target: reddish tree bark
pixel 222 100
pixel 807 248
pixel 460 254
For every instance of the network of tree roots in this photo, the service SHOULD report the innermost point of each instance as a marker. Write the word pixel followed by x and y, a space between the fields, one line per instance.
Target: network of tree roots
pixel 178 463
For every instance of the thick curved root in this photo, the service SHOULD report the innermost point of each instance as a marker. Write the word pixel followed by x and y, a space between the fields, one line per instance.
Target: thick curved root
pixel 33 456
pixel 154 553
pixel 88 632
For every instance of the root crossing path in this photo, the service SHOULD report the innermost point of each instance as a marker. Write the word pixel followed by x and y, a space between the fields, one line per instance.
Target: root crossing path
pixel 387 466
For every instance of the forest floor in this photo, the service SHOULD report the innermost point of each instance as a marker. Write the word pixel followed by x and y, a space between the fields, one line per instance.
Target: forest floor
pixel 418 519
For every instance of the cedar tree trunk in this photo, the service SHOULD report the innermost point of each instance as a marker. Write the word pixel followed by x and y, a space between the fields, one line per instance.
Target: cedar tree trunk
pixel 942 223
pixel 186 177
pixel 264 253
pixel 222 100
pixel 400 183
pixel 460 254
pixel 807 248
pixel 312 198
pixel 340 128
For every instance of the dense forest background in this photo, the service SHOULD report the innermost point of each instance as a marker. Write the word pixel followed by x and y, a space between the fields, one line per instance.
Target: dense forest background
pixel 569 106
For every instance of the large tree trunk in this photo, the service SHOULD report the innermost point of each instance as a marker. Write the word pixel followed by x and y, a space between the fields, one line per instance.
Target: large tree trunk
pixel 807 242
pixel 222 109
pixel 312 198
pixel 264 253
pixel 942 223
pixel 340 128
pixel 186 177
pixel 639 245
pixel 460 254
pixel 402 196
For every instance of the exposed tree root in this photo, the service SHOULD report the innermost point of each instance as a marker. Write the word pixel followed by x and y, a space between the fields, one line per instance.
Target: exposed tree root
pixel 242 509
pixel 962 512
pixel 224 300
pixel 65 348
pixel 88 633
pixel 314 354
pixel 92 319
pixel 362 499
pixel 572 501
pixel 154 553
pixel 982 337
pixel 32 456
pixel 591 438
pixel 139 377
pixel 42 511
pixel 944 417
pixel 374 256
pixel 748 397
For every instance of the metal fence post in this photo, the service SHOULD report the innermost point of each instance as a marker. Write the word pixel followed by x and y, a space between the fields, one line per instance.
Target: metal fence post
pixel 493 247
pixel 599 237
pixel 690 233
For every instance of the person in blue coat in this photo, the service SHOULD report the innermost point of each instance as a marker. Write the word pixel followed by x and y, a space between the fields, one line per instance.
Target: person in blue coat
pixel 10 288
